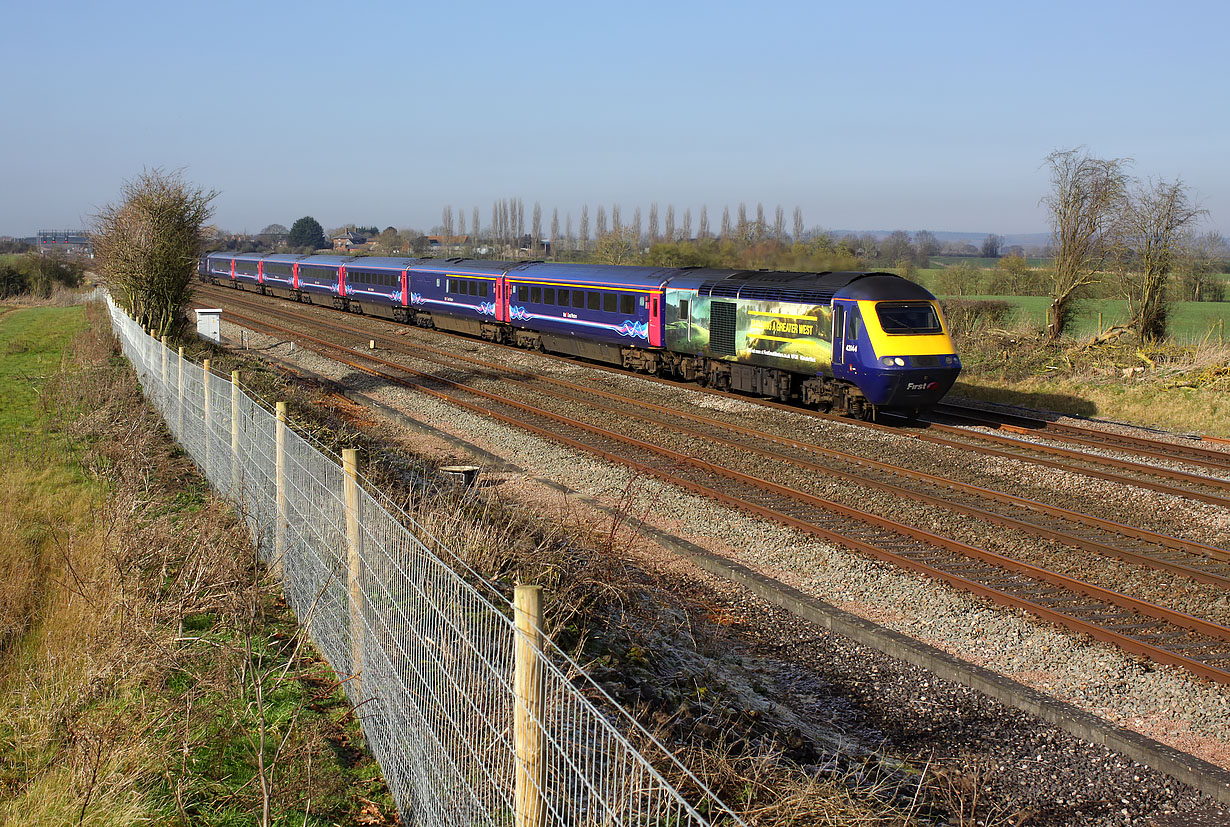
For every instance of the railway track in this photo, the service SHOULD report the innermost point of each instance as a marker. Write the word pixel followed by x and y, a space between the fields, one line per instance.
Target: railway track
pixel 1199 645
pixel 1190 452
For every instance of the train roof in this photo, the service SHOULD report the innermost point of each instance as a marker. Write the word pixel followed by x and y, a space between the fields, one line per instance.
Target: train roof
pixel 464 266
pixel 380 262
pixel 287 257
pixel 325 261
pixel 806 288
pixel 604 274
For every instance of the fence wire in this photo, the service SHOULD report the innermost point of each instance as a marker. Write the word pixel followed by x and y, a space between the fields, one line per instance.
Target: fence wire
pixel 427 655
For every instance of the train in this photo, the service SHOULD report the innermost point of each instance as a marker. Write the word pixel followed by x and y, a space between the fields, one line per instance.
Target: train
pixel 858 343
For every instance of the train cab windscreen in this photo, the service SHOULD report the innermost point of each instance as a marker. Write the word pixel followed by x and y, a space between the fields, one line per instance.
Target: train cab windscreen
pixel 918 318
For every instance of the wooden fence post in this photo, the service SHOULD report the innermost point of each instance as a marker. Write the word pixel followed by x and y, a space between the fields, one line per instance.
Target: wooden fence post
pixel 528 712
pixel 205 384
pixel 179 392
pixel 235 433
pixel 350 465
pixel 279 534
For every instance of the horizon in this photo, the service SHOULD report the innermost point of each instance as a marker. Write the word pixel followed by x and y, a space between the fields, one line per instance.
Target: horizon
pixel 925 117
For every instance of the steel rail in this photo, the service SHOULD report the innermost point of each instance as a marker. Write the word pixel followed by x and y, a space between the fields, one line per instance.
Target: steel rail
pixel 1105 440
pixel 1108 604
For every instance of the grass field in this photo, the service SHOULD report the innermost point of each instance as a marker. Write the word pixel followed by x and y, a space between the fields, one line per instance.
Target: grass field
pixel 1189 321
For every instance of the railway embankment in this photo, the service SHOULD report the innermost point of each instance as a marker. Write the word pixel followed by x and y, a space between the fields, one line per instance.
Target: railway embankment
pixel 149 671
pixel 1023 769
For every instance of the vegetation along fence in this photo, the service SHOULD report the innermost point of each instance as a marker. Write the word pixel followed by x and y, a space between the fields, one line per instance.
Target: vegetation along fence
pixel 474 717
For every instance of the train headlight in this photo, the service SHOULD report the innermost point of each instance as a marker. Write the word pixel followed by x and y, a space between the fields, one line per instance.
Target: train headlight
pixel 898 361
pixel 887 361
pixel 948 360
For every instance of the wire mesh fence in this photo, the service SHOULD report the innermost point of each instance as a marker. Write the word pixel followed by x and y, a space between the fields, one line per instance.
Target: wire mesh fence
pixel 465 732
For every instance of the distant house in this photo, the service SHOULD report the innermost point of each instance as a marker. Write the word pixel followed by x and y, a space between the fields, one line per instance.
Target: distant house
pixel 348 241
pixel 451 242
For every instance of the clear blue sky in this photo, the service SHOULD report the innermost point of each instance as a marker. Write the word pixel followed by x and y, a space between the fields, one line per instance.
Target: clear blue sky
pixel 874 115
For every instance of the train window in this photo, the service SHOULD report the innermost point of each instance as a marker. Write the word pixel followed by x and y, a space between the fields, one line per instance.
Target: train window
pixel 548 295
pixel 684 307
pixel 594 301
pixel 908 317
pixel 448 287
pixel 437 282
pixel 472 287
pixel 609 302
pixel 856 323
pixel 536 295
pixel 561 296
pixel 626 305
pixel 578 298
pixel 482 289
pixel 523 293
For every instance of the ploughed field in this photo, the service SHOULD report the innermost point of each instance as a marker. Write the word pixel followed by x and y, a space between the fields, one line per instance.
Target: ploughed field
pixel 1094 534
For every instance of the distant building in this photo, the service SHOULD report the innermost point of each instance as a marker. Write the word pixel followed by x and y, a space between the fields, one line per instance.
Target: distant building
pixel 70 242
pixel 348 241
pixel 452 242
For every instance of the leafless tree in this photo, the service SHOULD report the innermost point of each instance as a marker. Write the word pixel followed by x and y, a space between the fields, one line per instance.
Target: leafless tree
pixel 702 231
pixel 584 232
pixel 474 228
pixel 636 223
pixel 617 224
pixel 536 227
pixel 798 224
pixel 741 227
pixel 1202 257
pixel 616 248
pixel 687 224
pixel 726 228
pixel 146 246
pixel 1085 202
pixel 897 247
pixel 520 220
pixel 1156 216
pixel 446 223
pixel 461 222
pixel 670 223
pixel 653 223
pixel 779 223
pixel 600 222
pixel 761 224
pixel 991 246
pixel 555 239
pixel 927 245
pixel 495 222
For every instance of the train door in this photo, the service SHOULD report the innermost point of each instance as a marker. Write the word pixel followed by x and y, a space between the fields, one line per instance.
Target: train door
pixel 501 307
pixel 839 335
pixel 341 280
pixel 655 319
pixel 260 273
pixel 294 275
pixel 405 288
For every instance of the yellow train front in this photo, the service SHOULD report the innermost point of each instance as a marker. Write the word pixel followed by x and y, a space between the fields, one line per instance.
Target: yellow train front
pixel 890 340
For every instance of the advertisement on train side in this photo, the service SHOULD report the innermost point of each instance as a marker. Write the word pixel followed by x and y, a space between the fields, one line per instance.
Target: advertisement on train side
pixel 775 334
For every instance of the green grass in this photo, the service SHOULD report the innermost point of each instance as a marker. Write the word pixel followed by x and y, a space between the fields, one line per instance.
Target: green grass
pixel 1189 321
pixel 32 342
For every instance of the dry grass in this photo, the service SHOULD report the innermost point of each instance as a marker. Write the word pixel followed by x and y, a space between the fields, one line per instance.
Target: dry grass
pixel 144 643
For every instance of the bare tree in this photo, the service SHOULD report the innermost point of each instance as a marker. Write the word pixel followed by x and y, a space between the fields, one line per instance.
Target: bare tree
pixel 653 223
pixel 446 223
pixel 897 247
pixel 636 223
pixel 1201 258
pixel 555 239
pixel 726 228
pixel 617 224
pixel 616 248
pixel 536 226
pixel 670 223
pixel 741 227
pixel 600 222
pixel 798 224
pixel 1155 218
pixel 520 221
pixel 146 247
pixel 702 231
pixel 687 224
pixel 762 226
pixel 568 231
pixel 584 226
pixel 927 245
pixel 991 246
pixel 495 222
pixel 1085 202
pixel 474 228
pixel 779 223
